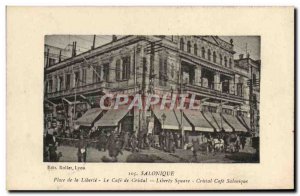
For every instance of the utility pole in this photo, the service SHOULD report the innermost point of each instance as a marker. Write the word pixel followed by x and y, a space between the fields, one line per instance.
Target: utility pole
pixel 59 58
pixel 181 112
pixel 47 57
pixel 251 95
pixel 94 41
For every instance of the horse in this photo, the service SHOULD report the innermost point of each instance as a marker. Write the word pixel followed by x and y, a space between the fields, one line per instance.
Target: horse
pixel 218 145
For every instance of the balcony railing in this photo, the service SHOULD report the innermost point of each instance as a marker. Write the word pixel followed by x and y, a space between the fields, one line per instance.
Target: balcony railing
pixel 212 92
pixel 113 86
pixel 78 89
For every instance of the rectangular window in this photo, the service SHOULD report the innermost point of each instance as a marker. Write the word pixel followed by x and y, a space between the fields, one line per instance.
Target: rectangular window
pixel 96 74
pixel 118 69
pixel 225 86
pixel 68 81
pixel 76 79
pixel 212 109
pixel 60 83
pixel 163 76
pixel 51 61
pixel 227 111
pixel 50 83
pixel 126 68
pixel 240 89
pixel 83 77
pixel 106 72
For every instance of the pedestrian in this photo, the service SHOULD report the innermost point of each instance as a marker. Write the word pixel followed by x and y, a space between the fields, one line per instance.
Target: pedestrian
pixel 102 141
pixel 133 143
pixel 151 140
pixel 180 141
pixel 126 138
pixel 175 138
pixel 171 143
pixel 82 149
pixel 243 141
pixel 167 142
pixel 209 147
pixel 237 143
pixel 140 140
pixel 54 155
pixel 195 148
pixel 161 140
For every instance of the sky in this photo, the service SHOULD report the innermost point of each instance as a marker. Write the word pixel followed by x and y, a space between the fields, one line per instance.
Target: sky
pixel 240 43
pixel 84 43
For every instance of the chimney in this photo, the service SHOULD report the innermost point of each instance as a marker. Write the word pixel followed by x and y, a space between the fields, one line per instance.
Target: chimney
pixel 59 59
pixel 94 40
pixel 73 46
pixel 75 49
pixel 114 38
pixel 47 57
pixel 241 56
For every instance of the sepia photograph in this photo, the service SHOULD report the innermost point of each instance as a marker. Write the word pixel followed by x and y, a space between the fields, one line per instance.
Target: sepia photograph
pixel 151 98
pixel 165 99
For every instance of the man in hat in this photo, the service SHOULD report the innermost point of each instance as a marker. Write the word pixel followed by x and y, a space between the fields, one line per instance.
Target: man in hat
pixel 82 149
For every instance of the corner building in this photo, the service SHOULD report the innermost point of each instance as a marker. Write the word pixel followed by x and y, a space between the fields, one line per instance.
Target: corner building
pixel 196 65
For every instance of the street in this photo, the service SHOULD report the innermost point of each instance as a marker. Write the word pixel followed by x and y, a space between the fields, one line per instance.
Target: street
pixel 69 154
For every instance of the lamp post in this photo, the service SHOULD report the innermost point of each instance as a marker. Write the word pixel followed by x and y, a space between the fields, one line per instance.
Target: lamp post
pixel 163 118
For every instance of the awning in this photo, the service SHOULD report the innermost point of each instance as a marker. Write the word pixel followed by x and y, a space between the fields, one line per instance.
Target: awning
pixel 246 122
pixel 217 122
pixel 197 119
pixel 211 120
pixel 88 118
pixel 172 120
pixel 112 117
pixel 222 123
pixel 235 123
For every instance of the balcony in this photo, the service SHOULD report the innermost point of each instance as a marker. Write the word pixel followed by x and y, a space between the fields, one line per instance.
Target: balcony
pixel 79 89
pixel 94 87
pixel 212 93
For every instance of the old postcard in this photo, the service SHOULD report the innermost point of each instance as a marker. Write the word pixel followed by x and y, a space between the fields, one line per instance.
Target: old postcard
pixel 178 98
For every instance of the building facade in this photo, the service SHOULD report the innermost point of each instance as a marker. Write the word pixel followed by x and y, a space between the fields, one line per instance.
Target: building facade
pixel 200 66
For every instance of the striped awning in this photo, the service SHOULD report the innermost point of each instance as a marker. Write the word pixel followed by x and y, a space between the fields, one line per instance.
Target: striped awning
pixel 112 117
pixel 89 117
pixel 222 123
pixel 172 119
pixel 217 122
pixel 212 122
pixel 235 123
pixel 196 118
pixel 246 122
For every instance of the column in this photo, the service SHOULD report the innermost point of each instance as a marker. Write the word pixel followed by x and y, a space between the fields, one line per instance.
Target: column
pixel 198 76
pixel 217 85
pixel 231 87
pixel 236 81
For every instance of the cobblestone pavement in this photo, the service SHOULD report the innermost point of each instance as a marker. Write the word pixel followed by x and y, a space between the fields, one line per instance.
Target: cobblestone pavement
pixel 180 156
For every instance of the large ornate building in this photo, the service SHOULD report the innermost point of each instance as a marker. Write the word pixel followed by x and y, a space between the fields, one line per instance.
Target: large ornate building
pixel 202 66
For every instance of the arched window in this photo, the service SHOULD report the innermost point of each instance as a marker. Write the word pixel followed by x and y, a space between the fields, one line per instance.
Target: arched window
pixel 195 49
pixel 225 61
pixel 221 59
pixel 181 44
pixel 189 47
pixel 209 54
pixel 230 63
pixel 214 57
pixel 203 52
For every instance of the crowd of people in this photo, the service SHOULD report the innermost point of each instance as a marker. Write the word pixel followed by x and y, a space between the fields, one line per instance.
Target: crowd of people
pixel 115 142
